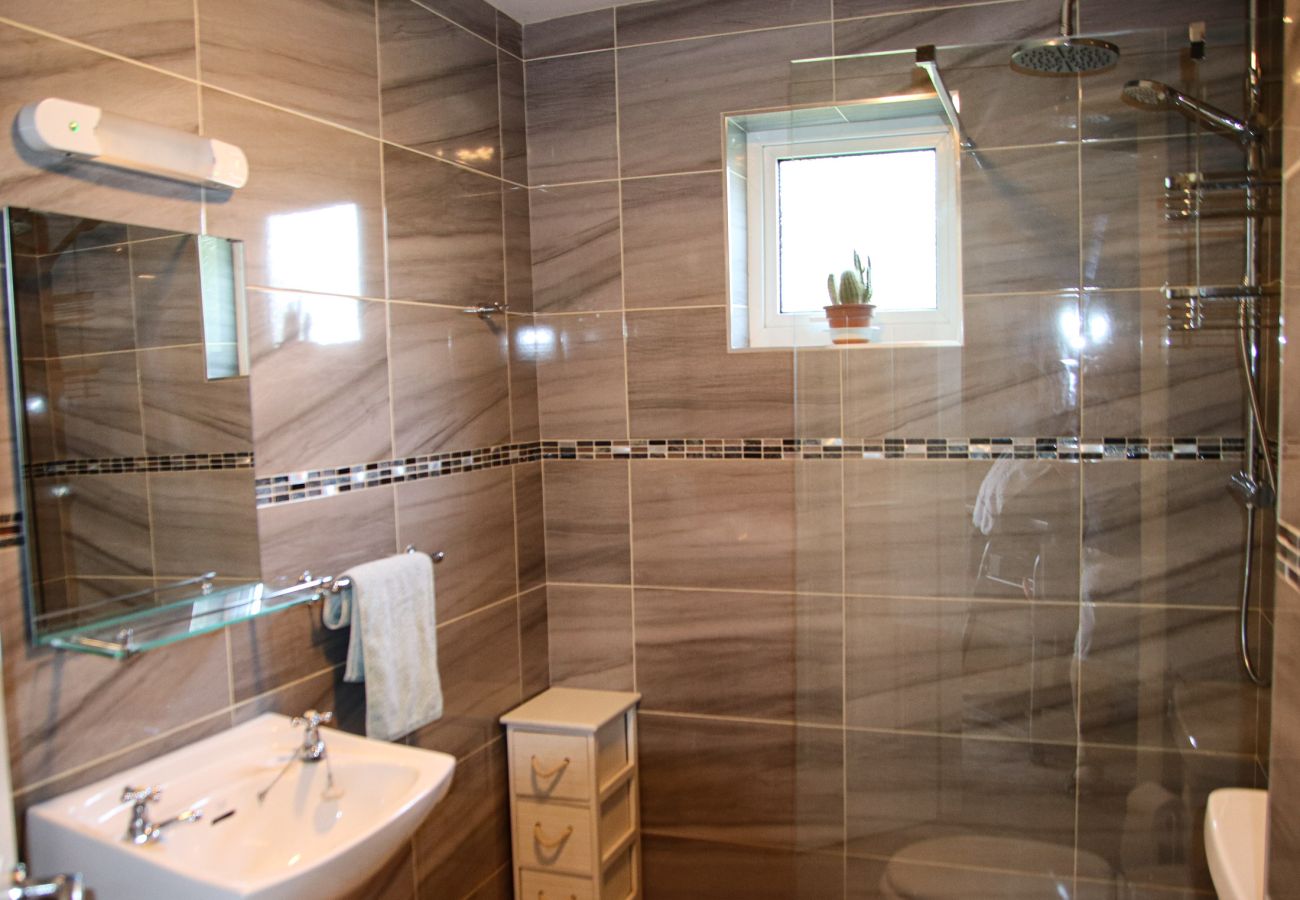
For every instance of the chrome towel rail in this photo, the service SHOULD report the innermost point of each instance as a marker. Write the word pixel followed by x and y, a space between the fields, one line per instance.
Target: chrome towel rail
pixel 336 584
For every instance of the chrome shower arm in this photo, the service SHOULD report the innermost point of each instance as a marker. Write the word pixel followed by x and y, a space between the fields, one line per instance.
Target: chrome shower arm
pixel 1069 18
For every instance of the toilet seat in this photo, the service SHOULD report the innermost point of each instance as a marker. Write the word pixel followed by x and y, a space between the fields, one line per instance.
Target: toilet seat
pixel 957 868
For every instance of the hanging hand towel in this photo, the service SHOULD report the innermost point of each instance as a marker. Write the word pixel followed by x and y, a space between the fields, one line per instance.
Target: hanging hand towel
pixel 394 643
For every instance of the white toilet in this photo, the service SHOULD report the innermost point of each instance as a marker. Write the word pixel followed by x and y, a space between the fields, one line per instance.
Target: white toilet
pixel 966 866
pixel 1235 824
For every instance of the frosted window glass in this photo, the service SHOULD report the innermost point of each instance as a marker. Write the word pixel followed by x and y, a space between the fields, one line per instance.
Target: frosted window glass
pixel 880 204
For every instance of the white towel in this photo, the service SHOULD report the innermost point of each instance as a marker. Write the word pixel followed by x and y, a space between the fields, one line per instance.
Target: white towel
pixel 394 643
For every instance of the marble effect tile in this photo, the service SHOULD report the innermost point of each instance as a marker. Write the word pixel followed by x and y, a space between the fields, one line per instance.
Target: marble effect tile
pixel 686 869
pixel 106 527
pixel 96 406
pixel 167 291
pixel 156 32
pixel 524 410
pixel 673 250
pixel 590 631
pixel 474 15
pixel 184 412
pixel 949 24
pixel 572 120
pixel 580 33
pixel 204 521
pixel 670 20
pixel 530 526
pixel 580 376
pixel 87 302
pixel 467 836
pixel 519 244
pixel 534 643
pixel 587 521
pixel 514 118
pixel 576 248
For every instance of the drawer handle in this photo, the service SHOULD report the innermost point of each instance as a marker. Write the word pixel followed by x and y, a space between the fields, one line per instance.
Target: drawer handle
pixel 541 895
pixel 540 836
pixel 547 774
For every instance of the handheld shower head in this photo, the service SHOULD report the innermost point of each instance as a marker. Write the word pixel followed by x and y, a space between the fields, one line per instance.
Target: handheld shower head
pixel 1156 95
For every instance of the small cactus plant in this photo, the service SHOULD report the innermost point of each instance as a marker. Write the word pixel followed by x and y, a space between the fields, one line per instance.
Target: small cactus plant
pixel 855 284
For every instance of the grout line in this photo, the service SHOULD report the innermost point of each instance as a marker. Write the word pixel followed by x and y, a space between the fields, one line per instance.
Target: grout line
pixel 495 872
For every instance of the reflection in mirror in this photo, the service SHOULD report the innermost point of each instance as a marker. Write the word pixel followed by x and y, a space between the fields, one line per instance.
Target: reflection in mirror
pixel 130 373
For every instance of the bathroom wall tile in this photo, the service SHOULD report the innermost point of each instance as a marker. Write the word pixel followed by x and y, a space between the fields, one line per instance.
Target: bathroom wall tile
pixel 478 657
pixel 510 35
pixel 1143 811
pixel 499 886
pixel 580 376
pixel 1137 378
pixel 907 788
pixel 534 643
pixel 771 656
pixel 818 387
pixel 38 66
pixel 1152 535
pixel 470 518
pixel 438 86
pixel 168 292
pixel 106 525
pixel 572 120
pixel 184 412
pixel 673 250
pixel 393 880
pixel 467 836
pixel 1113 15
pixel 514 119
pixel 524 414
pixel 158 32
pixel 570 34
pixel 590 636
pixel 671 94
pixel 530 526
pixel 926 381
pixel 204 521
pixel 319 381
pixel 519 255
pixel 444 232
pixel 961 667
pixel 313 195
pixel 1284 752
pixel 682 381
pixel 1161 677
pixel 869 391
pixel 950 25
pixel 1020 221
pixel 714 797
pixel 86 302
pixel 713 524
pixel 671 20
pixel 474 15
pixel 451 381
pixel 317 58
pixel 326 691
pixel 96 404
pixel 685 869
pixel 576 248
pixel 919 530
pixel 587 521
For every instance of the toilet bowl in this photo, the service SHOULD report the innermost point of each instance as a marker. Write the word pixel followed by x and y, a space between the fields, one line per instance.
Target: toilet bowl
pixel 967 866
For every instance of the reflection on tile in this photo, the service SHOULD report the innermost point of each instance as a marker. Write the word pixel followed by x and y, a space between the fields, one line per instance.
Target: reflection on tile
pixel 961 667
pixel 575 248
pixel 530 526
pixel 572 121
pixel 160 33
pixel 1152 535
pixel 1139 379
pixel 570 34
pixel 204 521
pixel 912 530
pixel 580 368
pixel 590 636
pixel 319 380
pixel 96 404
pixel 714 524
pixel 685 869
pixel 907 788
pixel 478 657
pixel 673 252
pixel 444 232
pixel 524 414
pixel 311 215
pixel 438 86
pixel 168 297
pixel 518 239
pixel 86 302
pixel 514 124
pixel 699 779
pixel 105 524
pixel 314 57
pixel 451 385
pixel 1143 810
pixel 671 94
pixel 671 20
pixel 587 537
pixel 534 643
pixel 1161 677
pixel 682 380
pixel 467 836
pixel 1020 221
pixel 184 412
pixel 877 879
pixel 470 517
pixel 771 656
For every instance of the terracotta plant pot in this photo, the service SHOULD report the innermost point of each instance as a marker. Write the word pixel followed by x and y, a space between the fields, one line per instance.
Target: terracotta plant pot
pixel 849 322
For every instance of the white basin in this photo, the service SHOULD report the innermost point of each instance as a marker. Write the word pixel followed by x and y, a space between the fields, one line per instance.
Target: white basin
pixel 1235 819
pixel 300 842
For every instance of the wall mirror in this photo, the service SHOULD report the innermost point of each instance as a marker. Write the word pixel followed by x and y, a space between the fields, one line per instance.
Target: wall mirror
pixel 129 368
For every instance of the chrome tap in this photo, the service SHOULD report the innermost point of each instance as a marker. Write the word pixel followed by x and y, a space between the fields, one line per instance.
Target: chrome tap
pixel 141 831
pixel 55 887
pixel 313 748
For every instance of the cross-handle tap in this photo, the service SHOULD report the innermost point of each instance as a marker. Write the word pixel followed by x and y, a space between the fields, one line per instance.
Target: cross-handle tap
pixel 313 747
pixel 141 830
pixel 56 887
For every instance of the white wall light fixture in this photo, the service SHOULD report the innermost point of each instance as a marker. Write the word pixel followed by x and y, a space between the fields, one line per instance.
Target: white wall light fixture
pixel 88 132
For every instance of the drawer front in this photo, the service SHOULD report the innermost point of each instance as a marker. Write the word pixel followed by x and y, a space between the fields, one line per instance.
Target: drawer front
pixel 551 766
pixel 545 886
pixel 553 836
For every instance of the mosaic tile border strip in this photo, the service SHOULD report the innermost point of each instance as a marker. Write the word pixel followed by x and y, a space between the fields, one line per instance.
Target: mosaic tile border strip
pixel 11 529
pixel 1288 554
pixel 126 465
pixel 293 487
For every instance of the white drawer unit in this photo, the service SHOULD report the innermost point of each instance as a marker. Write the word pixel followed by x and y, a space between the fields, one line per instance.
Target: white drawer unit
pixel 574 796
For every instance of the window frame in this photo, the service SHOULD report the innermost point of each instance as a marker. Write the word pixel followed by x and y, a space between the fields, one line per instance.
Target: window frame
pixel 768 326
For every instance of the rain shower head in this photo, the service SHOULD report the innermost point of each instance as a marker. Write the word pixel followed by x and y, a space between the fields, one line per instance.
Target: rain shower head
pixel 1066 54
pixel 1156 95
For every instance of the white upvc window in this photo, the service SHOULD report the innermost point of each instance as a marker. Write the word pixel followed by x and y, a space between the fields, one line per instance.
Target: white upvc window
pixel 889 189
